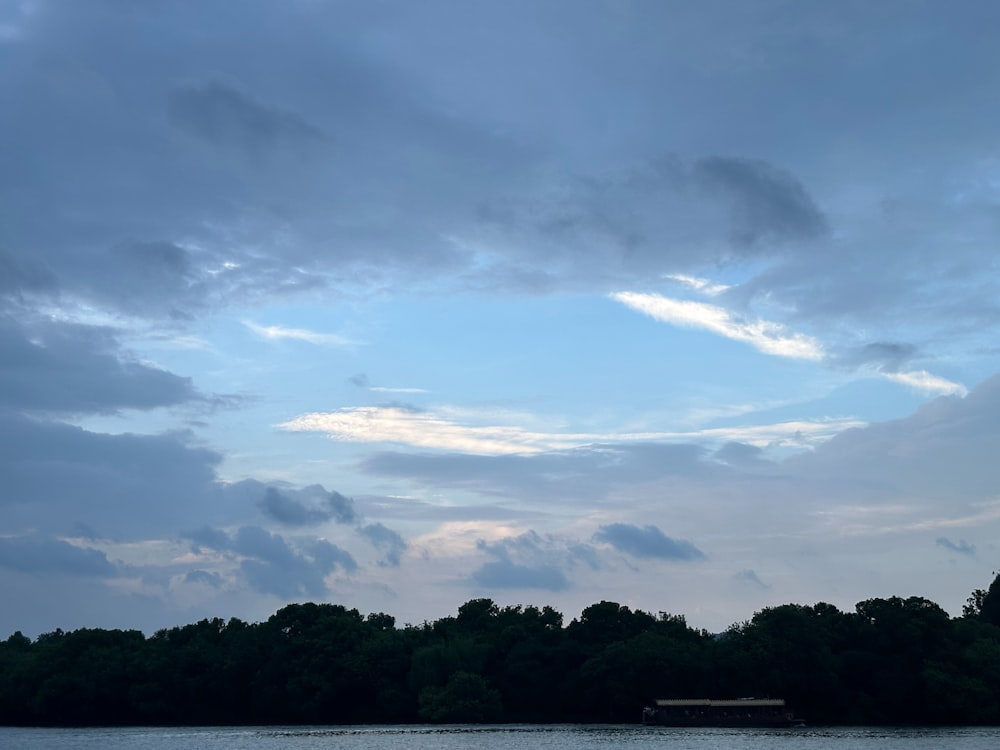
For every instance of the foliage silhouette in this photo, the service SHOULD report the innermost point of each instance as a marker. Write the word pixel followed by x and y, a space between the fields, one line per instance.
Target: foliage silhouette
pixel 898 661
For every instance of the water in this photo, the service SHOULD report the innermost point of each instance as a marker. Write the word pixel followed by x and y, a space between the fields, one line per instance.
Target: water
pixel 555 737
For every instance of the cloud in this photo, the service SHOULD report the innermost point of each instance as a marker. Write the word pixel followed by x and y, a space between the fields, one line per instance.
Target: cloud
pixel 937 455
pixel 765 336
pixel 316 506
pixel 647 541
pixel 775 339
pixel 528 561
pixel 886 356
pixel 739 454
pixel 271 565
pixel 20 276
pixel 888 360
pixel 704 286
pixel 767 203
pixel 425 429
pixel 275 333
pixel 580 474
pixel 69 368
pixel 154 181
pixel 207 537
pixel 39 554
pixel 386 540
pixel 224 116
pixel 360 380
pixel 589 473
pixel 396 425
pixel 750 577
pixel 209 578
pixel 922 380
pixel 962 547
pixel 330 556
pixel 57 475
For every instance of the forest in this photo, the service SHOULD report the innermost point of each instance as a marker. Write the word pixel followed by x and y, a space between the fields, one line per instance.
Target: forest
pixel 890 661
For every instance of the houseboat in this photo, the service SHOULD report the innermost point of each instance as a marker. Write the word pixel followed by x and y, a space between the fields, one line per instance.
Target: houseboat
pixel 708 712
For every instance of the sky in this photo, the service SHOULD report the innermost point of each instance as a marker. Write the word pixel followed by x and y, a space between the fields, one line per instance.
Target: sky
pixel 687 306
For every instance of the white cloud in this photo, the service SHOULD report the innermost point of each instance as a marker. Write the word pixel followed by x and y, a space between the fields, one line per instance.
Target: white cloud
pixel 373 424
pixel 704 286
pixel 924 381
pixel 459 538
pixel 383 389
pixel 763 335
pixel 274 333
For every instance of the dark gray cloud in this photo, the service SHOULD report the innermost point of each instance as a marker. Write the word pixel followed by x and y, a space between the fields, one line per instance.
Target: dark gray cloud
pixel 647 541
pixel 386 540
pixel 381 208
pixel 657 217
pixel 271 565
pixel 330 556
pixel 227 117
pixel 767 203
pixel 588 472
pixel 40 554
pixel 360 380
pixel 886 356
pixel 147 279
pixel 307 507
pixel 120 486
pixel 20 276
pixel 962 547
pixel 750 577
pixel 207 537
pixel 65 367
pixel 532 560
pixel 147 121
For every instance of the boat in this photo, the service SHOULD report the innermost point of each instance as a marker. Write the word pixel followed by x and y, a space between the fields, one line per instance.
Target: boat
pixel 708 712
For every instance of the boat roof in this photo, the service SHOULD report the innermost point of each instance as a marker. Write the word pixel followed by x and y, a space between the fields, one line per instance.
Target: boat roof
pixel 738 702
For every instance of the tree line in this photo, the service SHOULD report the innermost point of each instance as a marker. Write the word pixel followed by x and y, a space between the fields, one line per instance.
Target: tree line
pixel 890 661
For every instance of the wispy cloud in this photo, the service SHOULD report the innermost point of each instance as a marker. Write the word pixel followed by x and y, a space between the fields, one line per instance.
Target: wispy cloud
pixel 925 382
pixel 765 336
pixel 390 424
pixel 870 521
pixel 373 424
pixel 384 389
pixel 276 333
pixel 704 286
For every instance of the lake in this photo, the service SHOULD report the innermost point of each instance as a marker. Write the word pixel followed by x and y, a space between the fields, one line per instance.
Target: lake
pixel 519 737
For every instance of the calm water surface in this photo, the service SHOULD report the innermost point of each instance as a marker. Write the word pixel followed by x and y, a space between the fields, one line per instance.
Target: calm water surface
pixel 498 738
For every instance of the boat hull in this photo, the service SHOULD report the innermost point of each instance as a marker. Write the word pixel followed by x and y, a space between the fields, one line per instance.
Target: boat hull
pixel 765 713
pixel 734 723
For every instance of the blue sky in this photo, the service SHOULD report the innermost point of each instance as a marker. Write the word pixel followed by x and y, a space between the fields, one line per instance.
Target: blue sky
pixel 689 306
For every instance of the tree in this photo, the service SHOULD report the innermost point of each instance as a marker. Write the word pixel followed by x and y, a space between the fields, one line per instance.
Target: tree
pixel 466 698
pixel 989 604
